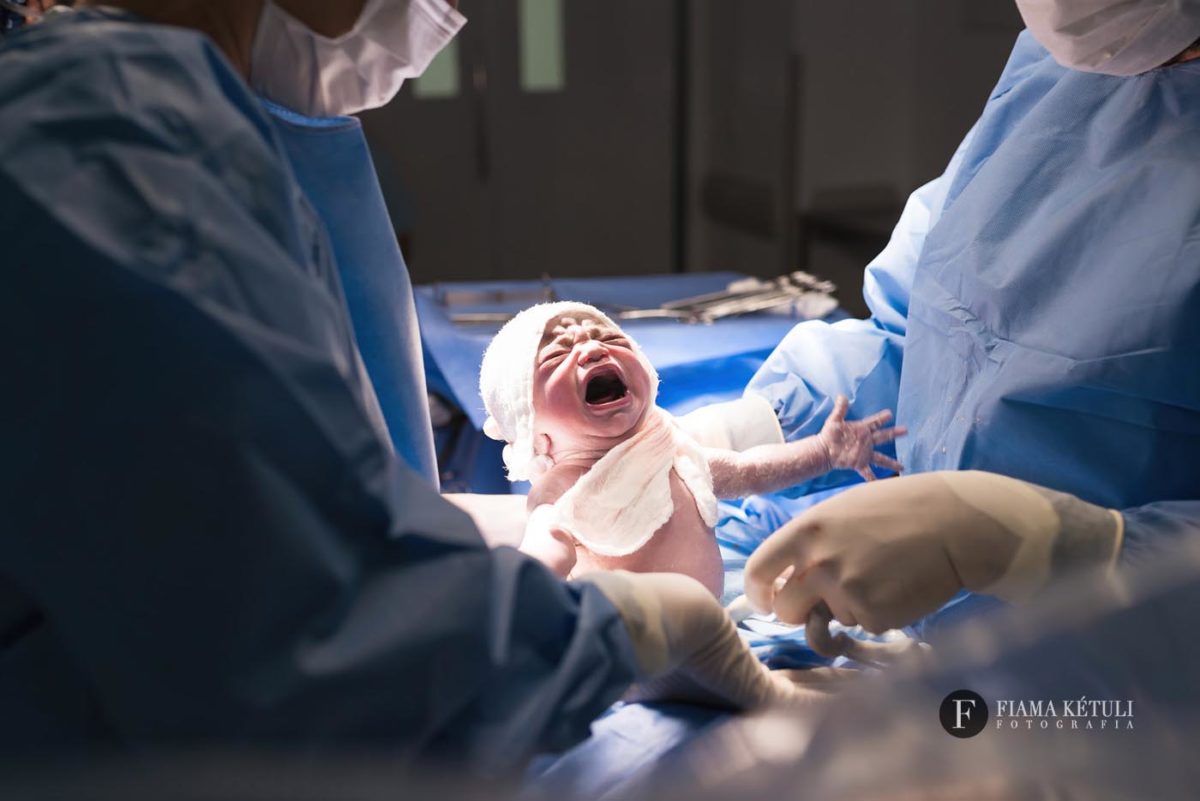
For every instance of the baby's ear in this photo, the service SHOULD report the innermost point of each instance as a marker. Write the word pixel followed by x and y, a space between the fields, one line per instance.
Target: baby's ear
pixel 543 461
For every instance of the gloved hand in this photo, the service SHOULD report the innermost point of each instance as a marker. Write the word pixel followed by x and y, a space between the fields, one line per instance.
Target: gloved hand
pixel 884 554
pixel 736 425
pixel 548 542
pixel 684 640
pixel 501 519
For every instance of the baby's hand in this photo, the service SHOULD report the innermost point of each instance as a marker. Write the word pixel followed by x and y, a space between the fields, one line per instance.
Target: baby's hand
pixel 851 444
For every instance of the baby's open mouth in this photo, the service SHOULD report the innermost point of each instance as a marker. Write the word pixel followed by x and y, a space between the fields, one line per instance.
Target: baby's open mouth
pixel 605 387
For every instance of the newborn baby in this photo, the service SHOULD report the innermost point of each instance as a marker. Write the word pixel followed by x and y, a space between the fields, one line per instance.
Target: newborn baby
pixel 617 484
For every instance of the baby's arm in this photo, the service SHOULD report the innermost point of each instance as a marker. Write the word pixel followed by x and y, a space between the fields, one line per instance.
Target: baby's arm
pixel 544 540
pixel 842 444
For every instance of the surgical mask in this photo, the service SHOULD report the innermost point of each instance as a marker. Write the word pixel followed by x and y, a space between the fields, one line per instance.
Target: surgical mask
pixel 1114 37
pixel 319 76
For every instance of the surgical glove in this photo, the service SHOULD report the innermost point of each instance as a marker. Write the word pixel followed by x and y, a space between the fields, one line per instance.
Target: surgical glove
pixel 683 638
pixel 501 519
pixel 548 542
pixel 884 554
pixel 734 425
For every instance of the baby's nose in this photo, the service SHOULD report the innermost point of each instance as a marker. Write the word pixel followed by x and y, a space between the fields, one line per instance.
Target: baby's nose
pixel 591 351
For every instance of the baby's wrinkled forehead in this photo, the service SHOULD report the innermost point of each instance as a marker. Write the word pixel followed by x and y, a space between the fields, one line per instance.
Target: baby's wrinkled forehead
pixel 564 326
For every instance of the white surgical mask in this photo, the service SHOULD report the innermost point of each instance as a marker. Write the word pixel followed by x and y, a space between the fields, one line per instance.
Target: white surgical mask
pixel 315 75
pixel 1114 37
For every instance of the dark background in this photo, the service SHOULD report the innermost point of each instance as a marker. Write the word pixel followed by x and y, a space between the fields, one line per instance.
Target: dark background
pixel 757 136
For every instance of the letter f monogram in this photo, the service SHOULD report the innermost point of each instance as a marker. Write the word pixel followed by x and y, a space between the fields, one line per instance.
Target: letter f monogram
pixel 961 714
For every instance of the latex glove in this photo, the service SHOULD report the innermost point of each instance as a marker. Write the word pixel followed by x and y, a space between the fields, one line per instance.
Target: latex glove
pixel 851 444
pixel 548 542
pixel 501 519
pixel 884 554
pixel 685 641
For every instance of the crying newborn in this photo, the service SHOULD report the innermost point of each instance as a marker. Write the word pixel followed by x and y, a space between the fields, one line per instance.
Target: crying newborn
pixel 616 483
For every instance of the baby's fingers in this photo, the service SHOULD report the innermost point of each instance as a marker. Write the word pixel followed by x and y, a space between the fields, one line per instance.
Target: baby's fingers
pixel 888 434
pixel 841 405
pixel 877 420
pixel 887 462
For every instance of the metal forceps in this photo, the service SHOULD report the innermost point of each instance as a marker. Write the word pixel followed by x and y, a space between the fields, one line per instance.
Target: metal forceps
pixel 746 296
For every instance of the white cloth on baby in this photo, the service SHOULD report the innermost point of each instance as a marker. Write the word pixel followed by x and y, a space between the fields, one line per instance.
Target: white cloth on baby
pixel 617 505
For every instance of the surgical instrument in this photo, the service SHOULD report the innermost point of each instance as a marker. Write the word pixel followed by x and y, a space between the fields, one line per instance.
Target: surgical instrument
pixel 741 297
pixel 474 297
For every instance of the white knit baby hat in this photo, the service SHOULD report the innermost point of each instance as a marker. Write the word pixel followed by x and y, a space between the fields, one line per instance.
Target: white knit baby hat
pixel 506 381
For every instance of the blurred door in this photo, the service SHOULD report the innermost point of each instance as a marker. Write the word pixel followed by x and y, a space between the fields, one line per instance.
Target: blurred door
pixel 542 142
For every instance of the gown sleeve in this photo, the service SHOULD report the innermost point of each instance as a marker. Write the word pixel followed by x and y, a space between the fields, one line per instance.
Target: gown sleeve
pixel 860 359
pixel 1157 528
pixel 198 501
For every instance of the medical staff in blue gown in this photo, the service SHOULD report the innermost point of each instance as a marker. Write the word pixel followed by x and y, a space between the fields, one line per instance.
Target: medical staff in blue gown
pixel 1036 316
pixel 213 535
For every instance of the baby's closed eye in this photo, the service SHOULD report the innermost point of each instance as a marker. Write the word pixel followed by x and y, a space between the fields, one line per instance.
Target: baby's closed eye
pixel 553 357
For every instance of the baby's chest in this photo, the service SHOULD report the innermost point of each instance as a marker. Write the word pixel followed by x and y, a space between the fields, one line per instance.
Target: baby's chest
pixel 684 544
pixel 685 520
pixel 685 533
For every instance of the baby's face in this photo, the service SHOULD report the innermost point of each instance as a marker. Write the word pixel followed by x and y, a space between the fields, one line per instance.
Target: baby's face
pixel 588 385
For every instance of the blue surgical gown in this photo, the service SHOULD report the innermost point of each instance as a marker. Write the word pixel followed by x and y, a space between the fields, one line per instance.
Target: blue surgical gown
pixel 333 166
pixel 1037 310
pixel 207 538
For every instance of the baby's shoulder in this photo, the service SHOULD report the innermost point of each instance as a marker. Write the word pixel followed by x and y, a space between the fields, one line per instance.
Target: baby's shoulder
pixel 553 484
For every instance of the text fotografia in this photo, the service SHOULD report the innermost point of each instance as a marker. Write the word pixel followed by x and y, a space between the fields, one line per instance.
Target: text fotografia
pixel 1080 714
